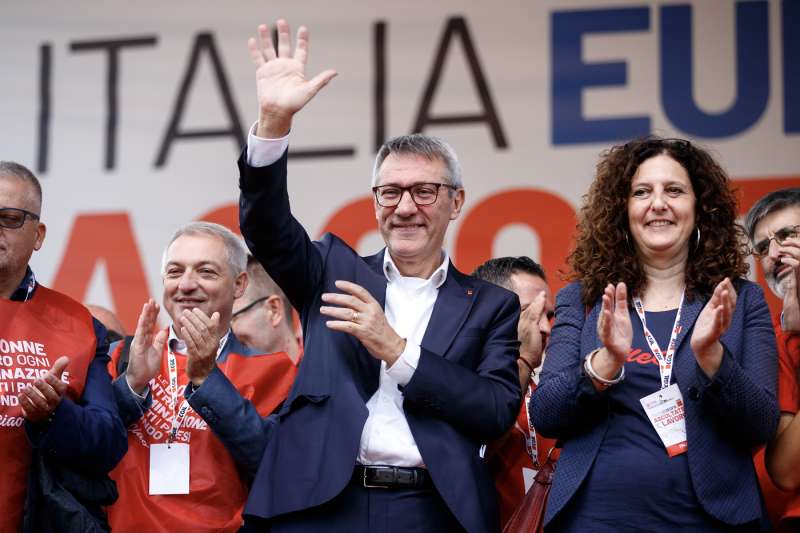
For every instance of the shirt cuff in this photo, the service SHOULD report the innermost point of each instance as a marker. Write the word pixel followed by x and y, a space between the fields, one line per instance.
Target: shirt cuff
pixel 263 152
pixel 403 369
pixel 142 397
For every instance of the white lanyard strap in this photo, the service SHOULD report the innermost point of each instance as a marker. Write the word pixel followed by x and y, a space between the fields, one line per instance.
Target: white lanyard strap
pixel 664 360
pixel 179 416
pixel 530 439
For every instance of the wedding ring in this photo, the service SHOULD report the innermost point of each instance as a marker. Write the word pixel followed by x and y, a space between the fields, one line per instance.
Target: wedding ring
pixel 355 317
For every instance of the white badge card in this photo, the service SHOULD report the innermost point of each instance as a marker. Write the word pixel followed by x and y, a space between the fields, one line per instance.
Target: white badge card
pixel 666 412
pixel 169 469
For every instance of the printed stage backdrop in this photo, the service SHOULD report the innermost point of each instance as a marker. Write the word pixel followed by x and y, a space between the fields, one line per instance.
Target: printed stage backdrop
pixel 133 114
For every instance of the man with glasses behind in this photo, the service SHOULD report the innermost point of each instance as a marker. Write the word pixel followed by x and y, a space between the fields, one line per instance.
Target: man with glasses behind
pixel 57 411
pixel 262 316
pixel 408 364
pixel 773 226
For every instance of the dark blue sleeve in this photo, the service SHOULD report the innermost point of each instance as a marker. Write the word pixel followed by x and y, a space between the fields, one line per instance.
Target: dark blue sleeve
pixel 233 419
pixel 565 401
pixel 483 402
pixel 742 394
pixel 131 407
pixel 273 235
pixel 89 433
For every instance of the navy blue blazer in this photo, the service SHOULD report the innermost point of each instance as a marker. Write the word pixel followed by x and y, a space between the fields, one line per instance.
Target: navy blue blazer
pixel 726 417
pixel 464 392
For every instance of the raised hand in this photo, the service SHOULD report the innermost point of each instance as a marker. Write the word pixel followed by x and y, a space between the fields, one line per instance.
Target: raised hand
pixel 144 361
pixel 712 322
pixel 43 396
pixel 614 324
pixel 201 334
pixel 790 256
pixel 530 333
pixel 281 84
pixel 360 315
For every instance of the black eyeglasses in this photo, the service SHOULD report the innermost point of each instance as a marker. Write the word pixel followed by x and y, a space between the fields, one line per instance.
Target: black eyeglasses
pixel 761 248
pixel 421 193
pixel 250 306
pixel 13 218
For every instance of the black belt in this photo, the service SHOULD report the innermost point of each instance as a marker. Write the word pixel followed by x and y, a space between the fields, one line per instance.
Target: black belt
pixel 391 477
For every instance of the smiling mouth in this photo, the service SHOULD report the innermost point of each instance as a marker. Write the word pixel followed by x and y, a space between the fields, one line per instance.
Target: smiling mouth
pixel 659 223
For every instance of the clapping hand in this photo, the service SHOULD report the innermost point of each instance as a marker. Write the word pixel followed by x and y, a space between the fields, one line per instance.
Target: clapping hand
pixel 713 321
pixel 144 360
pixel 43 396
pixel 201 334
pixel 360 315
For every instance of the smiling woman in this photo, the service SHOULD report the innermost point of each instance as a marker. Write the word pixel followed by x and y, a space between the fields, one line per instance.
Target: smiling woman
pixel 658 233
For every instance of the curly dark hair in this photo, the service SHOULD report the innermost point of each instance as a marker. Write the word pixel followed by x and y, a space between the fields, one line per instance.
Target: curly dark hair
pixel 604 250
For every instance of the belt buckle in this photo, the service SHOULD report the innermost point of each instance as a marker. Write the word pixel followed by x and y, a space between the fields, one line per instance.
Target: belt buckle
pixel 367 485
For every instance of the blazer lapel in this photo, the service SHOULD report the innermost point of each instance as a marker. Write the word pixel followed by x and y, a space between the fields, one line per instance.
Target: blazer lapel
pixel 374 280
pixel 455 299
pixel 683 358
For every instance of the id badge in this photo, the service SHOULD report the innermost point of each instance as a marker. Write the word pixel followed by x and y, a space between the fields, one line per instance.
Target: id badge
pixel 169 469
pixel 666 411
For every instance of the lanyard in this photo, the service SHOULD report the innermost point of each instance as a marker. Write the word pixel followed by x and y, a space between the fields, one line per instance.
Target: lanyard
pixel 180 416
pixel 664 360
pixel 530 439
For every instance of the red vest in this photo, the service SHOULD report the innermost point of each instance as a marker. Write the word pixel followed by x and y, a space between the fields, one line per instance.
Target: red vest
pixel 33 335
pixel 216 492
pixel 508 456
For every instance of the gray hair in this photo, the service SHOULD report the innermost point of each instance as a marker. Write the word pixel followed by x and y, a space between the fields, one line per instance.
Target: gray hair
pixel 21 172
pixel 261 283
pixel 774 201
pixel 234 247
pixel 422 145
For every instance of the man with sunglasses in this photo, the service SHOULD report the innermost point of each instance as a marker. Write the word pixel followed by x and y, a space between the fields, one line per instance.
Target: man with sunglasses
pixel 57 411
pixel 773 226
pixel 408 365
pixel 262 316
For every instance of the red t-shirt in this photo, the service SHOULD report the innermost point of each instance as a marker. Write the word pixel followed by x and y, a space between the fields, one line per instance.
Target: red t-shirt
pixel 508 459
pixel 780 504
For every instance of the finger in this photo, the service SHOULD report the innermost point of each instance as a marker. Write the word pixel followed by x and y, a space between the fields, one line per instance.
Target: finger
pixel 146 323
pixel 339 313
pixel 191 328
pixel 621 298
pixel 354 289
pixel 344 300
pixel 57 384
pixel 59 366
pixel 160 340
pixel 191 344
pixel 255 53
pixel 51 396
pixel 344 326
pixel 537 307
pixel 36 398
pixel 203 317
pixel 198 321
pixel 320 80
pixel 284 43
pixel 266 48
pixel 301 48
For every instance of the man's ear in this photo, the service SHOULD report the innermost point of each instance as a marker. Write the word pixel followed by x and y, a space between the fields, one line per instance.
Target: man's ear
pixel 41 230
pixel 240 284
pixel 275 307
pixel 458 203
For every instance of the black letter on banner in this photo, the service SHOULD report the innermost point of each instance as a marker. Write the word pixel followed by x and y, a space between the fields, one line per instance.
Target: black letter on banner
pixel 112 76
pixel 204 41
pixel 45 62
pixel 457 26
pixel 379 89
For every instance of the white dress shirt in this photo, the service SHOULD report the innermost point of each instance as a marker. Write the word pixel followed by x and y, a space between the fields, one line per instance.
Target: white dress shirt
pixel 386 438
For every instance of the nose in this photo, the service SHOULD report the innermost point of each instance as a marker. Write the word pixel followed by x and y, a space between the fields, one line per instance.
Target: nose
pixel 659 201
pixel 406 205
pixel 187 282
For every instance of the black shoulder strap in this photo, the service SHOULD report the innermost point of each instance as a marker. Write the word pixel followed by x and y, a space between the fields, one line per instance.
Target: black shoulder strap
pixel 122 364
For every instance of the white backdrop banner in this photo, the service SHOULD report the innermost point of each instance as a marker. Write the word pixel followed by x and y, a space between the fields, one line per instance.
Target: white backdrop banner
pixel 133 114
